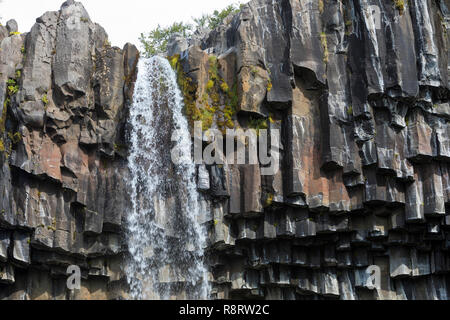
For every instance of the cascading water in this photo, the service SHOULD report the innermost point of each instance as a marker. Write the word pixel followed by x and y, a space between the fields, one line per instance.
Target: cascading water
pixel 165 239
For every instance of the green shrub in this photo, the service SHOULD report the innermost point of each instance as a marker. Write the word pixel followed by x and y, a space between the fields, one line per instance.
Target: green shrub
pixel 155 42
pixel 218 17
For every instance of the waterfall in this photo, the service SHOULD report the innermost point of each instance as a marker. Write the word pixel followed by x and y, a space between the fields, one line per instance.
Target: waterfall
pixel 165 239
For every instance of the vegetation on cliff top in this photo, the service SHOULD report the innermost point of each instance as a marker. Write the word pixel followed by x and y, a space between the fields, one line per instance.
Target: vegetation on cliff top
pixel 155 41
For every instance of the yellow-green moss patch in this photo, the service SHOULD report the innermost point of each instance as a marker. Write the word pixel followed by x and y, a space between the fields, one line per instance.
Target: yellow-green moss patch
pixel 217 103
pixel 258 124
pixel 321 6
pixel 324 42
pixel 400 6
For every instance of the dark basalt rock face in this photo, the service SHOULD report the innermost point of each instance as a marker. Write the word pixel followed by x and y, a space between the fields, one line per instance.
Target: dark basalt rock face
pixel 362 105
pixel 363 110
pixel 64 93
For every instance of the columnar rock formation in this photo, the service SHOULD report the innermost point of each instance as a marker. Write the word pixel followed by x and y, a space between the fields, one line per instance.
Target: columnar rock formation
pixel 63 90
pixel 359 91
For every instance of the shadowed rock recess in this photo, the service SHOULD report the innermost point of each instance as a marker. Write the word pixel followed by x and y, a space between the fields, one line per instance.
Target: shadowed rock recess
pixel 362 104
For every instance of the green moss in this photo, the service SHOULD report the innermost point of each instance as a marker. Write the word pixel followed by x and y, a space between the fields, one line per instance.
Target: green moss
pixel 207 118
pixel 399 5
pixel 15 137
pixel 14 33
pixel 210 85
pixel 45 100
pixel 271 120
pixel 188 88
pixel 321 6
pixel 2 145
pixel 350 111
pixel 213 68
pixel 23 50
pixel 269 200
pixel 217 105
pixel 233 97
pixel 84 20
pixel 119 147
pixel 12 90
pixel 258 124
pixel 324 42
pixel 13 87
pixel 224 86
pixel 6 105
pixel 18 74
pixel 174 61
pixel 269 86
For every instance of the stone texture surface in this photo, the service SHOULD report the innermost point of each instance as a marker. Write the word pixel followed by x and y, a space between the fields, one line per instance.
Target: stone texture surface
pixel 364 179
pixel 364 148
pixel 64 93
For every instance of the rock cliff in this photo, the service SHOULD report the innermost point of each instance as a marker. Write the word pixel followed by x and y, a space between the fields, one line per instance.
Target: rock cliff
pixel 359 91
pixel 64 91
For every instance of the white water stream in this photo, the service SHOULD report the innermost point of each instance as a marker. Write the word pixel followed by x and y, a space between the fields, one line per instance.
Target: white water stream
pixel 165 240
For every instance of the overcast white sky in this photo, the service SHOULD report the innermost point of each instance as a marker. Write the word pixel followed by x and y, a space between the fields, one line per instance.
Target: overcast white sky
pixel 123 20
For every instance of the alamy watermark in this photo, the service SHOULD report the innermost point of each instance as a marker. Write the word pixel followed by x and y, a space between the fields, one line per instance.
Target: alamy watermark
pixel 373 281
pixel 374 13
pixel 74 280
pixel 237 147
